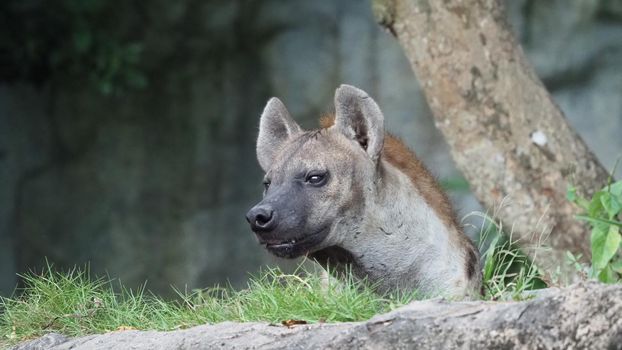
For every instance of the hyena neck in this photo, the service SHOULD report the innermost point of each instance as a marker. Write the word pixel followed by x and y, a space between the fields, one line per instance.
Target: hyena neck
pixel 409 238
pixel 405 243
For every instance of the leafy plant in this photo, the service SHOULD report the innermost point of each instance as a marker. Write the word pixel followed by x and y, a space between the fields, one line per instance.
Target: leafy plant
pixel 603 212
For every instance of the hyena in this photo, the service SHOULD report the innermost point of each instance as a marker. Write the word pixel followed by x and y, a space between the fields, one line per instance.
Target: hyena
pixel 349 194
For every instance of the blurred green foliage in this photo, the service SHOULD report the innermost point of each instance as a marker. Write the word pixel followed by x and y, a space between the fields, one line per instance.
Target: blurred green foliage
pixel 456 183
pixel 80 40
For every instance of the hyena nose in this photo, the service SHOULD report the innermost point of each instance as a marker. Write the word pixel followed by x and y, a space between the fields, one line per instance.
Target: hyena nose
pixel 261 218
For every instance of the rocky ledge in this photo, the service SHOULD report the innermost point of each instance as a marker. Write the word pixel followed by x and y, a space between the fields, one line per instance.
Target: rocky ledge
pixel 584 316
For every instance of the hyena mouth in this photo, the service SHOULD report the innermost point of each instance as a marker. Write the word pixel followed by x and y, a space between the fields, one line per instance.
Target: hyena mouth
pixel 296 247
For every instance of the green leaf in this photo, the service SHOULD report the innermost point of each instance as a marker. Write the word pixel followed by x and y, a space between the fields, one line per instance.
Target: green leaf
pixel 605 243
pixel 613 240
pixel 571 193
pixel 617 266
pixel 615 189
pixel 616 206
pixel 598 240
pixel 607 275
pixel 595 208
pixel 610 204
pixel 570 257
pixel 572 196
pixel 597 221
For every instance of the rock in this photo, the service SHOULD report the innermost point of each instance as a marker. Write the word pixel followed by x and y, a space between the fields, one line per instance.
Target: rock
pixel 44 343
pixel 583 316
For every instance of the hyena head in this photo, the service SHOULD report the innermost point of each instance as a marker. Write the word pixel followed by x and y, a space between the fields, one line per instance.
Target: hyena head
pixel 317 182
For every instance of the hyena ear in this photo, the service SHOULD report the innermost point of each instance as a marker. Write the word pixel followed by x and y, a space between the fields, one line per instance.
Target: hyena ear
pixel 359 118
pixel 275 127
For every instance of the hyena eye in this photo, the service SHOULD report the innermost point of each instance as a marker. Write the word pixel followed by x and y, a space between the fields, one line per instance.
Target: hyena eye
pixel 266 185
pixel 316 179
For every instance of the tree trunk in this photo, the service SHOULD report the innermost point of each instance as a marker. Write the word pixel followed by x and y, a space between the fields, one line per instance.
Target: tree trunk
pixel 585 316
pixel 506 134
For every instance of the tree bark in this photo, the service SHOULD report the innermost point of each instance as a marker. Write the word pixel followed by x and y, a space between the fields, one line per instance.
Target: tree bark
pixel 506 134
pixel 585 316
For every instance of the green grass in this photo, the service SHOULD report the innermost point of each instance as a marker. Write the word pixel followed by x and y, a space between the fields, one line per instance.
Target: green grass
pixel 507 272
pixel 74 304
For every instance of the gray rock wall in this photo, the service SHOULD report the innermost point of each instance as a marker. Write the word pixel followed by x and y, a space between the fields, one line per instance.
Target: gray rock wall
pixel 153 185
